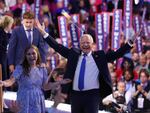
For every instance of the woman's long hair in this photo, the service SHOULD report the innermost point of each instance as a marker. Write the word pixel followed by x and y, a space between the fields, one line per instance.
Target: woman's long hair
pixel 25 63
pixel 130 62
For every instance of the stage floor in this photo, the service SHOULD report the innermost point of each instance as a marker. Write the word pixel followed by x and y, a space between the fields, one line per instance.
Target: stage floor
pixel 66 108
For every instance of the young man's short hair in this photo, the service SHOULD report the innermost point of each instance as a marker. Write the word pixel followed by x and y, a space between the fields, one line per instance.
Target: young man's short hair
pixel 28 15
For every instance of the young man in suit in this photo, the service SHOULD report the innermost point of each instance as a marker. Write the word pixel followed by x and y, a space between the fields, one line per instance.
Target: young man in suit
pixel 88 71
pixel 21 38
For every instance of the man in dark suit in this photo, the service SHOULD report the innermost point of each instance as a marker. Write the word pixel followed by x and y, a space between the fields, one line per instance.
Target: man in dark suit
pixel 88 90
pixel 5 27
pixel 21 38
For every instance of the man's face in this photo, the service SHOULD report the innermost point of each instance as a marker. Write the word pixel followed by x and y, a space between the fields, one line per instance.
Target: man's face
pixel 143 60
pixel 86 44
pixel 28 23
pixel 143 77
pixel 127 76
pixel 113 77
pixel 135 57
pixel 121 87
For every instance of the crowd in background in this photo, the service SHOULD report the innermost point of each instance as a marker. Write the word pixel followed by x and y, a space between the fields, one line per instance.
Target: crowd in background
pixel 130 74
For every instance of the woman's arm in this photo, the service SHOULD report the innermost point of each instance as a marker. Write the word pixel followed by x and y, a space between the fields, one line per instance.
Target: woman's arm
pixel 55 85
pixel 7 83
pixel 51 85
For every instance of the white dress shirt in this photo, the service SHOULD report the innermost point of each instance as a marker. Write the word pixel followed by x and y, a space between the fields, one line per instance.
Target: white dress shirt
pixel 110 98
pixel 91 79
pixel 27 34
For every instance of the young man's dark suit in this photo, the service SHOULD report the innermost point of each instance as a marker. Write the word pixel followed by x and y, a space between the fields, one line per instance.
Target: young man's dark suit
pixel 19 42
pixel 100 58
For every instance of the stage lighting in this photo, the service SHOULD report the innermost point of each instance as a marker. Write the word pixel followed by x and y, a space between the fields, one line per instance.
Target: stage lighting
pixel 136 1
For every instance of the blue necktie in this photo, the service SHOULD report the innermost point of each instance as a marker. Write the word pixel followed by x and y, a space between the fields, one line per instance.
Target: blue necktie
pixel 29 36
pixel 82 72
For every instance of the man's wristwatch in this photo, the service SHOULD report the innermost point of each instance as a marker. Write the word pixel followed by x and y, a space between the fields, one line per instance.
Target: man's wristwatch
pixel 130 42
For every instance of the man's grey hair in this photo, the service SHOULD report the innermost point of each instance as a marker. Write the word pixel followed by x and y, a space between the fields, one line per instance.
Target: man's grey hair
pixel 87 35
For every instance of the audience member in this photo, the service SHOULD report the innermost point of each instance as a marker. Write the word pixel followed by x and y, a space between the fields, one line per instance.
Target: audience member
pixel 21 38
pixel 125 65
pixel 6 23
pixel 117 102
pixel 141 93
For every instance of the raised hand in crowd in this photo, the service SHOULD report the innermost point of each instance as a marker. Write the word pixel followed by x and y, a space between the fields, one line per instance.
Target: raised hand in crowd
pixel 141 89
pixel 57 85
pixel 132 35
pixel 40 27
pixel 57 95
pixel 14 106
pixel 59 98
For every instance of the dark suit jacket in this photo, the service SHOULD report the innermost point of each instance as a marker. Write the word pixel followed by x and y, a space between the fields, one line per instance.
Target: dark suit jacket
pixel 101 58
pixel 19 42
pixel 3 41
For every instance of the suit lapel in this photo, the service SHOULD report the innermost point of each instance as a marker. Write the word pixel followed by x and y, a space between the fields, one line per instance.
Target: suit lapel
pixel 95 55
pixel 97 58
pixel 23 35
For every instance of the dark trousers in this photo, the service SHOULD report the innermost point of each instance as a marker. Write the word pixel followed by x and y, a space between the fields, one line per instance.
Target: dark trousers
pixel 3 62
pixel 85 101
